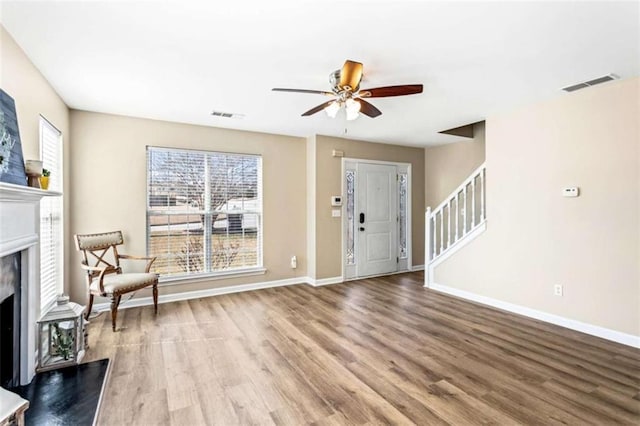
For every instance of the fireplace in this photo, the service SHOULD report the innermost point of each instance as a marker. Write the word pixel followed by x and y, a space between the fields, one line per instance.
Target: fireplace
pixel 10 283
pixel 19 294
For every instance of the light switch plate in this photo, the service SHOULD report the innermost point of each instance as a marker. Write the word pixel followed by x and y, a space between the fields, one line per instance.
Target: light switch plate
pixel 335 213
pixel 570 191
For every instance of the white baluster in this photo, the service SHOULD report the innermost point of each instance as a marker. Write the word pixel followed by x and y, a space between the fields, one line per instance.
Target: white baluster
pixel 457 214
pixel 434 235
pixel 427 237
pixel 427 246
pixel 464 222
pixel 482 194
pixel 449 225
pixel 473 202
pixel 442 229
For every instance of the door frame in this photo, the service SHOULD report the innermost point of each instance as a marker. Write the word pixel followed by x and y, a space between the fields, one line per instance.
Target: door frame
pixel 343 221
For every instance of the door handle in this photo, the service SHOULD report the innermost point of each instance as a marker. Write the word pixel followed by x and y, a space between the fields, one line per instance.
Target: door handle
pixel 362 228
pixel 361 217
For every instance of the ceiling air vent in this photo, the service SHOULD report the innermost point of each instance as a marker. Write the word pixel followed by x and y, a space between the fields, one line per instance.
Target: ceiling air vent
pixel 226 114
pixel 590 83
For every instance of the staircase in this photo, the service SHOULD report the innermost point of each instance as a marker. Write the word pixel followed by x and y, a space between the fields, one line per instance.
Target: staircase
pixel 455 222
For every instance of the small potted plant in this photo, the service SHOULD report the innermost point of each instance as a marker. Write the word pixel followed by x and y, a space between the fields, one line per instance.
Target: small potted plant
pixel 44 179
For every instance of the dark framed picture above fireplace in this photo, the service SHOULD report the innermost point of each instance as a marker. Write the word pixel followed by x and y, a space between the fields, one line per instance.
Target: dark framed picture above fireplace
pixel 11 161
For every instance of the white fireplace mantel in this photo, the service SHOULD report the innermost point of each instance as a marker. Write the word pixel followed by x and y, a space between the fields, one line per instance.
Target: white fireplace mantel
pixel 20 232
pixel 10 191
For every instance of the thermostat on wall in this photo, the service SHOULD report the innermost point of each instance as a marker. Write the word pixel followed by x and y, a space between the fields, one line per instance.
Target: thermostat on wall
pixel 336 200
pixel 571 191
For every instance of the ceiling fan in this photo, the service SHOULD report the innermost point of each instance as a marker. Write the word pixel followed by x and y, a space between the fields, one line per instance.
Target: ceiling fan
pixel 345 91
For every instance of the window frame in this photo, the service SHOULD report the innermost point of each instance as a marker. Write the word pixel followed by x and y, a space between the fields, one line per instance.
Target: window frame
pixel 54 201
pixel 176 278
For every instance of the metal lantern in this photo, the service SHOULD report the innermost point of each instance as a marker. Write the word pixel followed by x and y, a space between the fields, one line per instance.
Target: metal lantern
pixel 61 335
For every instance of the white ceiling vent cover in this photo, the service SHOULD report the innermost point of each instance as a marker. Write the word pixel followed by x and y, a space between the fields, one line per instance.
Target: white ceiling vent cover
pixel 227 114
pixel 590 83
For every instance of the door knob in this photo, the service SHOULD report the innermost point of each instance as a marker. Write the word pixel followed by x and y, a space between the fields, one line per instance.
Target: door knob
pixel 362 228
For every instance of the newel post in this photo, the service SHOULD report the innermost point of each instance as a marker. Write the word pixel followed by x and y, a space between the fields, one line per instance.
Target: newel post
pixel 427 245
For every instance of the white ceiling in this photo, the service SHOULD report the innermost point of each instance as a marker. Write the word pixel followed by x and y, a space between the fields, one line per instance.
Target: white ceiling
pixel 179 60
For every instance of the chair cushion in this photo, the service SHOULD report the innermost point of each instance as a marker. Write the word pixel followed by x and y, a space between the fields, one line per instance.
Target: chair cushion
pixel 122 283
pixel 99 241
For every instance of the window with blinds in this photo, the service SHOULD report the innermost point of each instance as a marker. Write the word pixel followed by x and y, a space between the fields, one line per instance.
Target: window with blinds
pixel 204 211
pixel 51 248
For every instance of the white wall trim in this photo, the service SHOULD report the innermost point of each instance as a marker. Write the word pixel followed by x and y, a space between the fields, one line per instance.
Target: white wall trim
pixel 212 276
pixel 324 281
pixel 594 330
pixel 400 166
pixel 364 160
pixel 415 268
pixel 188 295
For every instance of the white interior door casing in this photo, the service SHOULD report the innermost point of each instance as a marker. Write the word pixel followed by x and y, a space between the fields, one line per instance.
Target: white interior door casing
pixel 386 192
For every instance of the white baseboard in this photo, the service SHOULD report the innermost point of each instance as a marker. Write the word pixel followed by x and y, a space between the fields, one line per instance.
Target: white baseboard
pixel 594 330
pixel 416 268
pixel 324 281
pixel 188 295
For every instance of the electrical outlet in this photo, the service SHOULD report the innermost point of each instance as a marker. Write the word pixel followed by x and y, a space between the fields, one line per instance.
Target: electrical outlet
pixel 557 289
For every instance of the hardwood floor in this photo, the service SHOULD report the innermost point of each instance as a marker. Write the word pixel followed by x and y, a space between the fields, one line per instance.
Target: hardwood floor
pixel 375 351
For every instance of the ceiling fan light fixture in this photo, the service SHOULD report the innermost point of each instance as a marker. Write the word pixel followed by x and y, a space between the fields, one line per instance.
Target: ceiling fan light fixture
pixel 345 91
pixel 353 109
pixel 353 105
pixel 332 109
pixel 352 115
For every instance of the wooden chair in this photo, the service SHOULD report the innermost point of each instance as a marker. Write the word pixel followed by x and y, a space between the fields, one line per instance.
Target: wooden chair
pixel 105 278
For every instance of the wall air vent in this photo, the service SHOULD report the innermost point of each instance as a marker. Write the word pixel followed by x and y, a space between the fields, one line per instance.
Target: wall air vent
pixel 590 83
pixel 222 114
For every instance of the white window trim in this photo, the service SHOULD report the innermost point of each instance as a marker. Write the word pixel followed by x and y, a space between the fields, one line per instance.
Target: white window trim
pixel 259 269
pixel 43 122
pixel 211 276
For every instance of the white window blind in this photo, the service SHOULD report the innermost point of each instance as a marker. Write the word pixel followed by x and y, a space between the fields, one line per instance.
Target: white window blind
pixel 204 211
pixel 51 217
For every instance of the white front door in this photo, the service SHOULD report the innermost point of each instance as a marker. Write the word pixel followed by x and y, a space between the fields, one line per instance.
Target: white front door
pixel 376 219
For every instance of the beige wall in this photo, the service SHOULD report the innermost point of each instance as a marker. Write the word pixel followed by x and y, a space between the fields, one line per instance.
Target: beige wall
pixel 105 176
pixel 447 166
pixel 535 237
pixel 329 182
pixel 108 163
pixel 311 207
pixel 34 97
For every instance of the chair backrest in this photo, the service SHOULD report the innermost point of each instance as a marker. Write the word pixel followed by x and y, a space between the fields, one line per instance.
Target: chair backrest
pixel 98 246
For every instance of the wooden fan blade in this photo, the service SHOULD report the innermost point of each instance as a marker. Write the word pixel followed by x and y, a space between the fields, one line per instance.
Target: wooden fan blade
pixel 318 108
pixel 350 75
pixel 318 92
pixel 367 109
pixel 383 92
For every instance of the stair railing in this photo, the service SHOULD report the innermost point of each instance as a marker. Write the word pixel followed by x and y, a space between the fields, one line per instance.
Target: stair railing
pixel 461 213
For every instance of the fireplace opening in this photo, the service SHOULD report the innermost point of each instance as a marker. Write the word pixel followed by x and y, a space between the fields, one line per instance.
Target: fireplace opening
pixel 10 281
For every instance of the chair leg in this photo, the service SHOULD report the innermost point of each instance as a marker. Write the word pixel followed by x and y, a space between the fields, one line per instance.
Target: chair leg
pixel 115 301
pixel 89 307
pixel 155 297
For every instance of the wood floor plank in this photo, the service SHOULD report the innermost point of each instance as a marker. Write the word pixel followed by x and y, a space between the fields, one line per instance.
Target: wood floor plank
pixel 375 351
